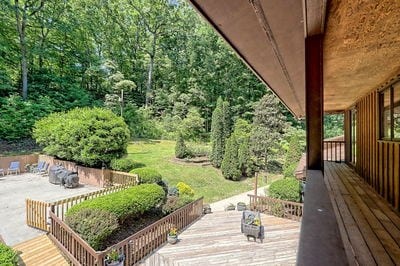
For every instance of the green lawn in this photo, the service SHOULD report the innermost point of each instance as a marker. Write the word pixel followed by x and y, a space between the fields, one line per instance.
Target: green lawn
pixel 207 181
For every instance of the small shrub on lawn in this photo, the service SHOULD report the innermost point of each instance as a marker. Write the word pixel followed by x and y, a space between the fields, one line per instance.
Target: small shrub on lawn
pixel 180 147
pixel 124 164
pixel 94 226
pixel 131 202
pixel 147 175
pixel 8 257
pixel 285 189
pixel 185 190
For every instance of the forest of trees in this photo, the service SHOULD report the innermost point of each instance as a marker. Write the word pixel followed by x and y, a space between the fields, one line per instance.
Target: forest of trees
pixel 156 63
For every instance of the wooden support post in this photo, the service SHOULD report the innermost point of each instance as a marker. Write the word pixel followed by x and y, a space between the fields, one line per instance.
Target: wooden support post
pixel 314 102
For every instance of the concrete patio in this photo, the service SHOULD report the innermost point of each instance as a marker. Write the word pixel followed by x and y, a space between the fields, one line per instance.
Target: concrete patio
pixel 14 189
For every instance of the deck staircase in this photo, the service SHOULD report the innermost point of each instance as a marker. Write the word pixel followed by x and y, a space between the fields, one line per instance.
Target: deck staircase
pixel 40 251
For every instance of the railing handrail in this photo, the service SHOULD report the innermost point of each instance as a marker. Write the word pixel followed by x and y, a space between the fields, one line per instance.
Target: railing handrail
pixel 277 200
pixel 147 246
pixel 334 150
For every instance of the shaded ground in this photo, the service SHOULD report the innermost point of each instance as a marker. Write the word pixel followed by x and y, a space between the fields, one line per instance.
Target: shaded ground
pixel 23 146
pixel 14 189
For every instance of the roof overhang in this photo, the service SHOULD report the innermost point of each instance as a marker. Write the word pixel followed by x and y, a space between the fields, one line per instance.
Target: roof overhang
pixel 361 44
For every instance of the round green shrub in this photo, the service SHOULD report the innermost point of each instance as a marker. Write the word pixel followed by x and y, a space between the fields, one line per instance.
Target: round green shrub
pixel 8 257
pixel 285 189
pixel 184 190
pixel 147 175
pixel 94 226
pixel 131 202
pixel 124 164
pixel 90 136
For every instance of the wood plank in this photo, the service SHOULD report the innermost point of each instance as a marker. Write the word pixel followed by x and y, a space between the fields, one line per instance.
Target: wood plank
pixel 385 238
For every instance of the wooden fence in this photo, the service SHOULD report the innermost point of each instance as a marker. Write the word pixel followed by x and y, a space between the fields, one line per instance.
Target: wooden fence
pixel 37 212
pixel 135 247
pixel 334 151
pixel 276 207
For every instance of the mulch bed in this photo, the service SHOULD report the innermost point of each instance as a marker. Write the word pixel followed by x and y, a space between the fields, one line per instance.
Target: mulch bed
pixel 131 226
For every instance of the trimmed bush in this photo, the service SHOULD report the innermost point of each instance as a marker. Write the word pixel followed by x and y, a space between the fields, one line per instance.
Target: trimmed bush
pixel 285 189
pixel 147 175
pixel 124 164
pixel 90 136
pixel 8 257
pixel 94 226
pixel 184 190
pixel 131 202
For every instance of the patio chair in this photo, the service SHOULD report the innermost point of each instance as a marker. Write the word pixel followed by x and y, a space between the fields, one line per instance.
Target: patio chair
pixel 14 168
pixel 44 170
pixel 2 172
pixel 39 167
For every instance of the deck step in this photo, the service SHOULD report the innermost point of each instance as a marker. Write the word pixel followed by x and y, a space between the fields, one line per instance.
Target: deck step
pixel 40 251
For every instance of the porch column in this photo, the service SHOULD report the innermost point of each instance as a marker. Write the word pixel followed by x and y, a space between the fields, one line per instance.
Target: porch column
pixel 314 102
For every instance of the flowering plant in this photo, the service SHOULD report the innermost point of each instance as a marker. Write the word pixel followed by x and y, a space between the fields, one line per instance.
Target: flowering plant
pixel 173 231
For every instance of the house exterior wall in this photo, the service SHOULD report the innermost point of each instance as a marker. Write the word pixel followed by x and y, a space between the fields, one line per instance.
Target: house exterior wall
pixel 377 160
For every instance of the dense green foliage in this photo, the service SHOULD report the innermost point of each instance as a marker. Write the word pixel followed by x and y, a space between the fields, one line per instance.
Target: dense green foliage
pixel 230 163
pixel 333 125
pixel 91 137
pixel 220 131
pixel 131 202
pixel 8 257
pixel 267 131
pixel 93 225
pixel 124 164
pixel 180 148
pixel 147 175
pixel 293 155
pixel 174 202
pixel 285 189
pixel 170 63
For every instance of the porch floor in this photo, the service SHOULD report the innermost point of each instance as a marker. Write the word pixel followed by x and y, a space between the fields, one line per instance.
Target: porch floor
pixel 370 229
pixel 216 240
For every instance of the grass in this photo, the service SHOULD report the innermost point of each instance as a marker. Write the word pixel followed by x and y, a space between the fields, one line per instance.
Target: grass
pixel 206 181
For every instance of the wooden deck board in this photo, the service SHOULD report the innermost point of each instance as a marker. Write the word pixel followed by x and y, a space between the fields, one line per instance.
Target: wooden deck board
pixel 216 240
pixel 40 251
pixel 367 213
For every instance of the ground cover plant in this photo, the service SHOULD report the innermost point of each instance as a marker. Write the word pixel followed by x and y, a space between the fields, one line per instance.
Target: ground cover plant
pixel 8 257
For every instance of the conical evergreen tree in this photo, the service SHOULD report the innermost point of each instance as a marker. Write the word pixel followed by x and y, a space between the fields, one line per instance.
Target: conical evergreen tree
pixel 230 163
pixel 180 147
pixel 217 135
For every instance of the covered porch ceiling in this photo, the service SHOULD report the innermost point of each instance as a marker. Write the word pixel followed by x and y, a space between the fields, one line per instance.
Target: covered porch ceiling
pixel 361 44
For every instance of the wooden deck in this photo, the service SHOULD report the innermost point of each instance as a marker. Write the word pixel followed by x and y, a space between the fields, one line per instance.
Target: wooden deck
pixel 216 240
pixel 370 229
pixel 40 251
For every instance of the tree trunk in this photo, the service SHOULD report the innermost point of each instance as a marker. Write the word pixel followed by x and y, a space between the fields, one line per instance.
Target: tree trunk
pixel 152 55
pixel 21 26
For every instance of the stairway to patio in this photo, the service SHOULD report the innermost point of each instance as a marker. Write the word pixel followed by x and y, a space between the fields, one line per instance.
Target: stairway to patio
pixel 216 240
pixel 40 251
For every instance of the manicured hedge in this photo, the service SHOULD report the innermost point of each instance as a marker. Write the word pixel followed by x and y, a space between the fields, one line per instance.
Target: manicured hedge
pixel 285 189
pixel 131 202
pixel 8 257
pixel 90 136
pixel 94 226
pixel 124 164
pixel 147 175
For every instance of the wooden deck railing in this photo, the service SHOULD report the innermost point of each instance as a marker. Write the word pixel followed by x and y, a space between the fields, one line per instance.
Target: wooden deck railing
pixel 71 244
pixel 135 247
pixel 37 212
pixel 334 150
pixel 277 207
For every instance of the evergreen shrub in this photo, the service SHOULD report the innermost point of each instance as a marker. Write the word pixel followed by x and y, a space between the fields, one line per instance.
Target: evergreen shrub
pixel 90 136
pixel 93 225
pixel 147 175
pixel 285 189
pixel 131 202
pixel 184 190
pixel 124 164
